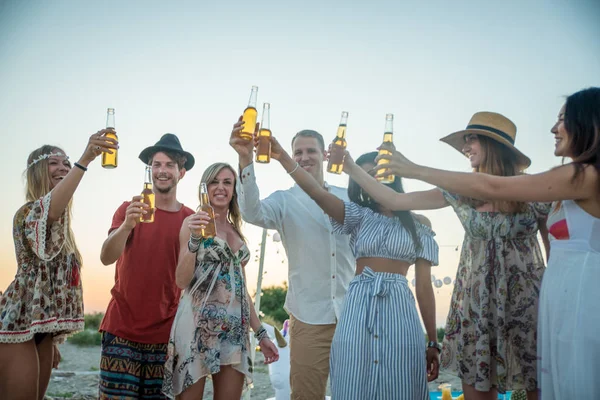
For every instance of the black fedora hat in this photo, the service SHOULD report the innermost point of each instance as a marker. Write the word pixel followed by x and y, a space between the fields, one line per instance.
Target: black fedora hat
pixel 168 142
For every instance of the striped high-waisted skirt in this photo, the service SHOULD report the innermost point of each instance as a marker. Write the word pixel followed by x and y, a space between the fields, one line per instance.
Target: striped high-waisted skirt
pixel 378 350
pixel 131 370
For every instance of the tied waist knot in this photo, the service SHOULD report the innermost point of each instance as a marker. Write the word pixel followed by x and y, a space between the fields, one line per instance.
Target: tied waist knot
pixel 379 290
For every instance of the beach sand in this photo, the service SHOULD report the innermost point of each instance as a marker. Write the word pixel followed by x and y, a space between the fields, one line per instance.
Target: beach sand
pixel 77 376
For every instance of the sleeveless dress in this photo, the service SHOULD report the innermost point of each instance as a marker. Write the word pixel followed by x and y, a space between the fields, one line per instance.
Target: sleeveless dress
pixel 569 322
pixel 211 327
pixel 491 327
pixel 46 295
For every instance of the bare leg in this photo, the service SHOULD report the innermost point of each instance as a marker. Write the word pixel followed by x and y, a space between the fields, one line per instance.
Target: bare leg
pixel 19 371
pixel 194 392
pixel 472 394
pixel 228 383
pixel 45 356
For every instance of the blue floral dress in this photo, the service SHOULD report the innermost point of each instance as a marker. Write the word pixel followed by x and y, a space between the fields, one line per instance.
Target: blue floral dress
pixel 492 323
pixel 212 322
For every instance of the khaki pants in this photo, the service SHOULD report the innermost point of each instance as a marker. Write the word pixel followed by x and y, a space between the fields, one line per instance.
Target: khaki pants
pixel 309 359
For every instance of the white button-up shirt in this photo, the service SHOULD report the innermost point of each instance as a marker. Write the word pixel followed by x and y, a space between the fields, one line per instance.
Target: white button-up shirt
pixel 321 264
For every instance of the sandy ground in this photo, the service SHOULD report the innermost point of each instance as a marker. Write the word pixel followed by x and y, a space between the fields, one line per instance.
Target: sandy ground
pixel 77 376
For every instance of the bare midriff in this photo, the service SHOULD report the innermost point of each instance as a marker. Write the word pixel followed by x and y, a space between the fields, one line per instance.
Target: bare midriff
pixel 378 264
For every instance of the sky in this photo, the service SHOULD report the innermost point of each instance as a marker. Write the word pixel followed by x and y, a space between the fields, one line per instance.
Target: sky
pixel 187 67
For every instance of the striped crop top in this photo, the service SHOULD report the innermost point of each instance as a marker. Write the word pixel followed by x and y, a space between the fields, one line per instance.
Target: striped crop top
pixel 376 235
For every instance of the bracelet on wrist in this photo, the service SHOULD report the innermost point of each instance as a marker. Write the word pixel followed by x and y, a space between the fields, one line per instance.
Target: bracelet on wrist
pixel 294 170
pixel 261 333
pixel 76 164
pixel 434 345
pixel 193 245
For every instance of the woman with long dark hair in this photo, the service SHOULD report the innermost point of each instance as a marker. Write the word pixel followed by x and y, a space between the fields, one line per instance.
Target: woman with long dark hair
pixel 378 349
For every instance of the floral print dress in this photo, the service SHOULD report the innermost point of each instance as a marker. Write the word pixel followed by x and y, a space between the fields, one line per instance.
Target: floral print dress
pixel 211 327
pixel 46 295
pixel 492 323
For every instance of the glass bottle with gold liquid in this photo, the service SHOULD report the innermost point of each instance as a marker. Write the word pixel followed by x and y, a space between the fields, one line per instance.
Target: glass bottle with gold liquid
pixel 148 197
pixel 388 138
pixel 211 228
pixel 249 117
pixel 336 161
pixel 263 151
pixel 110 160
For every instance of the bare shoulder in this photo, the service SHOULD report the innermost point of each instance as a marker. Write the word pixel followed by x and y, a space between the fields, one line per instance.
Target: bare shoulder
pixel 422 219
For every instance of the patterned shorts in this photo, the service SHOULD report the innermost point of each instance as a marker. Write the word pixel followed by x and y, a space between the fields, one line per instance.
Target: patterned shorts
pixel 131 370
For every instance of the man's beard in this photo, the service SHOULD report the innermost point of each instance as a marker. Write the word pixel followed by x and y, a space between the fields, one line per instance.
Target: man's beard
pixel 165 190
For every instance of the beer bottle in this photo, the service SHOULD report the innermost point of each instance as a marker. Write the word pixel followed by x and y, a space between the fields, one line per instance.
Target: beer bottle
pixel 148 197
pixel 388 138
pixel 336 161
pixel 110 160
pixel 249 116
pixel 263 152
pixel 211 228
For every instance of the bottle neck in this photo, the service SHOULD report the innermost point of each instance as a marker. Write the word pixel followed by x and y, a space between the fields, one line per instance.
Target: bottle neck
pixel 204 201
pixel 341 132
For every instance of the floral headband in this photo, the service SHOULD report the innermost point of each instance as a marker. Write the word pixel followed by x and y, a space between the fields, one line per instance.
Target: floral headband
pixel 44 156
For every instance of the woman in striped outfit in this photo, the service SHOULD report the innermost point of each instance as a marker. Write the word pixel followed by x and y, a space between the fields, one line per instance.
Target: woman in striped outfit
pixel 378 350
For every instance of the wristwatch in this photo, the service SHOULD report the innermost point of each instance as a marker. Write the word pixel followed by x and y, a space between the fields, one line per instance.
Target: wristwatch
pixel 435 345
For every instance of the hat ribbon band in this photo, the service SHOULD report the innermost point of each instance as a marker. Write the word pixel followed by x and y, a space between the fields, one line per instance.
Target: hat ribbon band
pixel 496 131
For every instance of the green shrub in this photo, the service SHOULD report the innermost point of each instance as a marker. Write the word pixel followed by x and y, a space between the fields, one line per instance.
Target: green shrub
pixel 92 321
pixel 271 303
pixel 86 338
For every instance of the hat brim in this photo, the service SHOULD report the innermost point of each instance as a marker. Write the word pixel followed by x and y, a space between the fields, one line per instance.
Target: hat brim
pixel 457 140
pixel 149 151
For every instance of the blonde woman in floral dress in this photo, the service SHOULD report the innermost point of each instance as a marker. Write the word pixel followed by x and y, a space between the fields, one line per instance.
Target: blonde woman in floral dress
pixel 44 303
pixel 210 334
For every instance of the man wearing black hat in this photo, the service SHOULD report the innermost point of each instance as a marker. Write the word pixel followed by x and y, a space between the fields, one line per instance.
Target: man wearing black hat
pixel 136 326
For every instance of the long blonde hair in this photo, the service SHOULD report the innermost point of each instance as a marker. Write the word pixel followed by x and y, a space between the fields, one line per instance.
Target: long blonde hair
pixel 37 185
pixel 234 216
pixel 500 161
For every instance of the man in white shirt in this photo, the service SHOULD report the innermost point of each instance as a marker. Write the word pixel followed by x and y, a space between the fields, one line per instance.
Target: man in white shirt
pixel 321 264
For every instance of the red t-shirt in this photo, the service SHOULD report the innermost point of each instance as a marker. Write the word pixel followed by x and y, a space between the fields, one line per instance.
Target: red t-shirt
pixel 145 297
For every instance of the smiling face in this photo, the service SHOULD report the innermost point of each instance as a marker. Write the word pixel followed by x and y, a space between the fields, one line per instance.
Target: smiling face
pixel 165 173
pixel 58 167
pixel 309 155
pixel 562 145
pixel 472 149
pixel 221 189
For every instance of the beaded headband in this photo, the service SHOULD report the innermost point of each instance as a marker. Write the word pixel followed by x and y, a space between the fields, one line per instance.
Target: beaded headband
pixel 44 156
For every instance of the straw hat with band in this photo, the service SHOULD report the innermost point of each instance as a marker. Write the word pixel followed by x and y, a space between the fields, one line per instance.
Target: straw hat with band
pixel 168 142
pixel 494 126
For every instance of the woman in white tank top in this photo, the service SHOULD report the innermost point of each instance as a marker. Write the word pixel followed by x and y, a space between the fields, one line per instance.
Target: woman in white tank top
pixel 568 324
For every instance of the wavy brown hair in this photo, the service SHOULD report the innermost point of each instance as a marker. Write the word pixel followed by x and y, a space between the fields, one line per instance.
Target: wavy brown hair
pixel 498 160
pixel 37 185
pixel 234 216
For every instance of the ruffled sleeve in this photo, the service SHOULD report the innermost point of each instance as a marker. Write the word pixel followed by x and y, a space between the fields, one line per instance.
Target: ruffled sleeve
pixel 45 241
pixel 353 217
pixel 429 249
pixel 452 198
